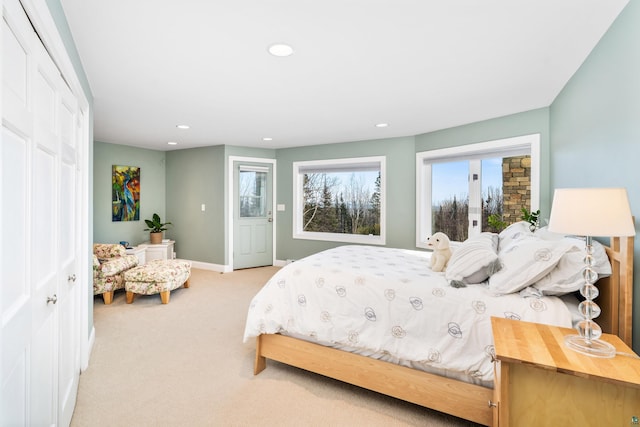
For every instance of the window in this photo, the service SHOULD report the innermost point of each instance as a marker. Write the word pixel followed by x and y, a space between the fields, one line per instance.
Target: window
pixel 253 191
pixel 340 200
pixel 465 190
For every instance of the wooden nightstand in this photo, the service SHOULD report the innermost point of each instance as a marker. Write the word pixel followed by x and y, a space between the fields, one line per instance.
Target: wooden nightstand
pixel 541 382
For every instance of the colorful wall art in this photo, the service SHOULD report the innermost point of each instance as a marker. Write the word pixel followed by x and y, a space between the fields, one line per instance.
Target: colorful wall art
pixel 125 191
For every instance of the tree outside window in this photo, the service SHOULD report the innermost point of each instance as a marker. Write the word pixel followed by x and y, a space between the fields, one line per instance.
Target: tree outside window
pixel 340 200
pixel 342 203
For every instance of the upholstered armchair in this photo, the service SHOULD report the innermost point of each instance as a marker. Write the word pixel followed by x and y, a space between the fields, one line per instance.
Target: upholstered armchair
pixel 110 261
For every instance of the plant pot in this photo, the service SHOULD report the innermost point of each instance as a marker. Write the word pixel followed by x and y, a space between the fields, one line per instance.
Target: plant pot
pixel 155 238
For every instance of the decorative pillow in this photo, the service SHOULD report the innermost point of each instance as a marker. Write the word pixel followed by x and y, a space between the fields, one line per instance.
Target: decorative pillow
pixel 473 261
pixel 525 261
pixel 516 231
pixel 566 277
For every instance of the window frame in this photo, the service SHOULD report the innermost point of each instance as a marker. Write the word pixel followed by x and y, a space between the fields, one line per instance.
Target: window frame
pixel 527 144
pixel 335 165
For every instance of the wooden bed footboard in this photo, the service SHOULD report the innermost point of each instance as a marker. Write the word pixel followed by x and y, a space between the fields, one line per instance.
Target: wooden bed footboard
pixel 468 401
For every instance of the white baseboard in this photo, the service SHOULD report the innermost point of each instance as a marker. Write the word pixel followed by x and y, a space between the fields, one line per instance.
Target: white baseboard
pixel 227 269
pixel 211 267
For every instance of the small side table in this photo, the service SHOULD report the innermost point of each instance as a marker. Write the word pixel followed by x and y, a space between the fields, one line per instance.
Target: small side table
pixel 162 250
pixel 139 252
pixel 539 381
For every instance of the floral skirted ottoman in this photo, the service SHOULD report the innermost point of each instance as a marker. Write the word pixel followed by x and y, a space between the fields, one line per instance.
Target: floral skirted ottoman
pixel 157 277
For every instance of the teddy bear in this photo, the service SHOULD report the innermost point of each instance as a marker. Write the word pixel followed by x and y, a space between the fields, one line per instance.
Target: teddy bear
pixel 439 242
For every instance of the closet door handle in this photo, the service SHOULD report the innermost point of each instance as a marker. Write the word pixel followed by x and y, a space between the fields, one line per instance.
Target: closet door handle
pixel 53 299
pixel 71 278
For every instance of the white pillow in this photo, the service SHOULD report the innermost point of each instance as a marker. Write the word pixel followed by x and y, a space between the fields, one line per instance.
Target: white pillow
pixel 525 261
pixel 516 231
pixel 566 277
pixel 473 261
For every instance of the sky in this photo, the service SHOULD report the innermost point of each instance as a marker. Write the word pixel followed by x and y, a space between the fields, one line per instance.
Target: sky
pixel 368 179
pixel 451 178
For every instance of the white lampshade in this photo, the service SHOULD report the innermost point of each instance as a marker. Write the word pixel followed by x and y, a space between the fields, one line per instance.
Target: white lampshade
pixel 591 212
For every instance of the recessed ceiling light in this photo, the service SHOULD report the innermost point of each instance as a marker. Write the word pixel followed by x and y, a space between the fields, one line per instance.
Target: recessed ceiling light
pixel 382 125
pixel 172 143
pixel 266 138
pixel 280 49
pixel 182 126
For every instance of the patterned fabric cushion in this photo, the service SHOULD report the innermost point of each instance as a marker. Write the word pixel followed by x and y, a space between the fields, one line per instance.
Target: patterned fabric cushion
pixel 118 265
pixel 107 250
pixel 108 284
pixel 109 263
pixel 157 276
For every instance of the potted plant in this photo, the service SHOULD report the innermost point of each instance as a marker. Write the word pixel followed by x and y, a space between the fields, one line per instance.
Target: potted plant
pixel 533 218
pixel 156 227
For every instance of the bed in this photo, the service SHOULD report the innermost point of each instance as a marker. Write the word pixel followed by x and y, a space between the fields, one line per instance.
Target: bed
pixel 402 368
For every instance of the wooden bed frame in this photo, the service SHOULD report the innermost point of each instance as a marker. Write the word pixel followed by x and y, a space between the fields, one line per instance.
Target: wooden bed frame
pixel 464 400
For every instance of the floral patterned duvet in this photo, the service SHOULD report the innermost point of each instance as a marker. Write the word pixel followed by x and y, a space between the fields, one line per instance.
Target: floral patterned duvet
pixel 388 304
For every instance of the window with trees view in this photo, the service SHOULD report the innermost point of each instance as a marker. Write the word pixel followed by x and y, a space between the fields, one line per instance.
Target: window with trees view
pixel 340 200
pixel 466 190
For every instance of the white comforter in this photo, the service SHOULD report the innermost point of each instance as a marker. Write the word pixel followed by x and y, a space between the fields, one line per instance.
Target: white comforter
pixel 387 303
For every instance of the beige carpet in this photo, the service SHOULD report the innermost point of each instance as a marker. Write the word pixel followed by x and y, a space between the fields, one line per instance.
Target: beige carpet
pixel 184 364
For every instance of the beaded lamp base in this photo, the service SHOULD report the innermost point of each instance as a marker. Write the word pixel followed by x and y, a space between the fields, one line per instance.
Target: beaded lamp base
pixel 595 348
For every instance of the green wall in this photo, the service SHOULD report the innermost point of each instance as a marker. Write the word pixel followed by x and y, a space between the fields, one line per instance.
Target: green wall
pixel 595 124
pixel 401 207
pixel 152 192
pixel 196 177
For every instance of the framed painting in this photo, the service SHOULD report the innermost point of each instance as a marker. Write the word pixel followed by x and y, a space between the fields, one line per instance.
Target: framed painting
pixel 125 193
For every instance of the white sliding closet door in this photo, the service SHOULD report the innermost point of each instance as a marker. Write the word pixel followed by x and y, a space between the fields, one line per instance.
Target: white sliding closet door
pixel 39 200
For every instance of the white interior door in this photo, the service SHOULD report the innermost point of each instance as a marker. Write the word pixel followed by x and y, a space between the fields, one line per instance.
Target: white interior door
pixel 39 328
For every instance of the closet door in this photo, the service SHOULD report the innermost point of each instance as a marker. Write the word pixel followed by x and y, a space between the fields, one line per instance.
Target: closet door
pixel 16 292
pixel 69 292
pixel 39 300
pixel 45 180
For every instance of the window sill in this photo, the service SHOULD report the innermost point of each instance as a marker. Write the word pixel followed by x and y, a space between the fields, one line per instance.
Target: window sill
pixel 345 238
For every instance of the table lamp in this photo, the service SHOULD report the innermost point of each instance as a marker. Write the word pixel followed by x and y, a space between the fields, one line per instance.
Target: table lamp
pixel 591 212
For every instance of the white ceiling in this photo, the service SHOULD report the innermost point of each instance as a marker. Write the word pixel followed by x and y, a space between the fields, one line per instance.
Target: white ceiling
pixel 418 65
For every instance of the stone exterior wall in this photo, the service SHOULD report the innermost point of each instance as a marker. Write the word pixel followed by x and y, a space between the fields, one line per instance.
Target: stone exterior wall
pixel 516 187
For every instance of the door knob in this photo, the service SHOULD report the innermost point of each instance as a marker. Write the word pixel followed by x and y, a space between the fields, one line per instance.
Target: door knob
pixel 270 220
pixel 53 299
pixel 71 278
